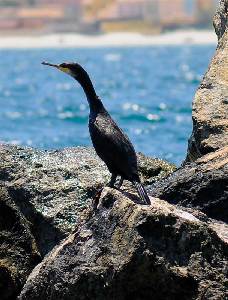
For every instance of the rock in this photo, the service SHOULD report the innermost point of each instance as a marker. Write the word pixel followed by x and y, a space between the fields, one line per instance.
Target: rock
pixel 130 251
pixel 58 184
pixel 202 185
pixel 153 169
pixel 221 19
pixel 123 250
pixel 18 249
pixel 210 106
pixel 46 194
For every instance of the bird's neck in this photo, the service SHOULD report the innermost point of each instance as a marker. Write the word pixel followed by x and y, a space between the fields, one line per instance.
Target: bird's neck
pixel 94 101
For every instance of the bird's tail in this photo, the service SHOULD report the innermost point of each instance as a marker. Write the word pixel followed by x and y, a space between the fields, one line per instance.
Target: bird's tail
pixel 142 192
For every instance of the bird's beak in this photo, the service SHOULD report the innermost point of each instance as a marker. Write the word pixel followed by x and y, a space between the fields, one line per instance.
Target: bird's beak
pixel 50 65
pixel 65 70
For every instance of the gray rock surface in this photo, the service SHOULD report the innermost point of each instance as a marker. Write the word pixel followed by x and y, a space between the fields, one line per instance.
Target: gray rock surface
pixel 43 196
pixel 130 251
pixel 210 106
pixel 58 185
pixel 202 185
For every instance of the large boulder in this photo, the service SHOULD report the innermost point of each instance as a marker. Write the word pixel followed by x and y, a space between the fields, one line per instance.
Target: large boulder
pixel 202 184
pixel 210 106
pixel 130 251
pixel 43 196
pixel 55 187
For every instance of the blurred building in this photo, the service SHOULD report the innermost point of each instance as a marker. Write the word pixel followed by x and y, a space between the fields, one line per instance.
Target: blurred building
pixel 171 14
pixel 119 15
pixel 42 15
pixel 104 15
pixel 205 10
pixel 149 15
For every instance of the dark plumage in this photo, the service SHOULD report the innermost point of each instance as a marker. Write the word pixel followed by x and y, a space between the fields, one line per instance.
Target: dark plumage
pixel 109 141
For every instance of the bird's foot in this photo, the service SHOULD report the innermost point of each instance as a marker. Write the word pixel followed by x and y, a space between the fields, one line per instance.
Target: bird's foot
pixel 97 198
pixel 119 184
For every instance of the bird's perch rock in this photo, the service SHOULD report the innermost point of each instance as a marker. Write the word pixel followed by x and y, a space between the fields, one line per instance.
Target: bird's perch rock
pixel 51 237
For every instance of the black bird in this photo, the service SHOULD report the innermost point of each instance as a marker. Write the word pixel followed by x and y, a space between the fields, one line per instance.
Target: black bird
pixel 109 141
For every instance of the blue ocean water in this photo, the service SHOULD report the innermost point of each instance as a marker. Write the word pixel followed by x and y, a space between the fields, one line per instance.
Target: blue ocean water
pixel 147 90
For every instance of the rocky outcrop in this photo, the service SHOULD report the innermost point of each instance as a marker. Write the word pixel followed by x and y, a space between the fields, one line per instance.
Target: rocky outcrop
pixel 54 187
pixel 43 196
pixel 122 250
pixel 221 19
pixel 18 249
pixel 210 106
pixel 202 185
pixel 130 251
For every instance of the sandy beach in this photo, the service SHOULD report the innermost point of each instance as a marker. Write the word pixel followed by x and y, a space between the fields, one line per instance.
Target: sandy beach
pixel 68 40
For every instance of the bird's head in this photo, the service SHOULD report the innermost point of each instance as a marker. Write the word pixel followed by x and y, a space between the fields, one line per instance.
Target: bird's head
pixel 77 72
pixel 70 68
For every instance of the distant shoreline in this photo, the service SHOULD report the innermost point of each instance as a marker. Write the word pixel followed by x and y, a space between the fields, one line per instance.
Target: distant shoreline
pixel 121 39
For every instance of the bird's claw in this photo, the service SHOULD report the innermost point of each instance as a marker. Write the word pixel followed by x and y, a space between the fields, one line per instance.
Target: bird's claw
pixel 96 199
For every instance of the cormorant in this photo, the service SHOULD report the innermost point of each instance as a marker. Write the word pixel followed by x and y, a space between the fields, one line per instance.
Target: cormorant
pixel 111 144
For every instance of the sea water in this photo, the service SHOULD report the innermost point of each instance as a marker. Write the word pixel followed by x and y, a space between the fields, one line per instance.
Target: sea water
pixel 147 90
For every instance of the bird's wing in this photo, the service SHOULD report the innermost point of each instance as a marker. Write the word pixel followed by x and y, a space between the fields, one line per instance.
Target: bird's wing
pixel 113 146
